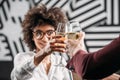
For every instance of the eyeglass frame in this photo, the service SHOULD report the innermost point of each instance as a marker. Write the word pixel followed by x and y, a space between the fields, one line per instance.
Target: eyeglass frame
pixel 43 33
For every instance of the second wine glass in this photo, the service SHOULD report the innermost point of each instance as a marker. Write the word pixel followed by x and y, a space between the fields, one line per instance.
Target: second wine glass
pixel 73 30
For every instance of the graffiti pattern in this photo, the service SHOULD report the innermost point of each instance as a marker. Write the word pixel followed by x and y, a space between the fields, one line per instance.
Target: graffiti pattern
pixel 99 19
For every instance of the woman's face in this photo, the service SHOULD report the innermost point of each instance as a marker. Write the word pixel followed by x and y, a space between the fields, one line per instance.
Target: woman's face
pixel 41 35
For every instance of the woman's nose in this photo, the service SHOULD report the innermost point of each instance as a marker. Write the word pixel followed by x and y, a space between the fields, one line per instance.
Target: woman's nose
pixel 45 38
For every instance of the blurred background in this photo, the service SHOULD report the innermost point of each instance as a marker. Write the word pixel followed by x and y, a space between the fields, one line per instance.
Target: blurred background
pixel 99 19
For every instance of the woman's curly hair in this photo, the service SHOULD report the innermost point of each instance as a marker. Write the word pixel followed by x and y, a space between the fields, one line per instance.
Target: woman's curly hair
pixel 37 16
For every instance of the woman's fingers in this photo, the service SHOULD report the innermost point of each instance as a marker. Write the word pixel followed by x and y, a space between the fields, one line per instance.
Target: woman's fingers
pixel 57 45
pixel 81 35
pixel 59 49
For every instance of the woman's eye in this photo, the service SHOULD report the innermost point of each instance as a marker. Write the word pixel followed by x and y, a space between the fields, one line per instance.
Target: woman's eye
pixel 50 33
pixel 38 33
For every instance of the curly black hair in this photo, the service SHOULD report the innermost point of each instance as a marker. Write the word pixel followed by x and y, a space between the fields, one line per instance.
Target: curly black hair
pixel 40 15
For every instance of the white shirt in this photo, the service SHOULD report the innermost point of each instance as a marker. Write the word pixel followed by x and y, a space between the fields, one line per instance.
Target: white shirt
pixel 24 68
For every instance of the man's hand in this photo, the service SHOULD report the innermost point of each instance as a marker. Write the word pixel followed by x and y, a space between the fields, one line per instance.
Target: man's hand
pixel 74 45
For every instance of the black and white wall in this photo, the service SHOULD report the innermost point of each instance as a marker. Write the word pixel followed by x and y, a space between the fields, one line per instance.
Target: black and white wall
pixel 99 19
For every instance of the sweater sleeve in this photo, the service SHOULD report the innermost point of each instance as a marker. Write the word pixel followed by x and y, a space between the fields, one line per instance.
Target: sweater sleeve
pixel 23 67
pixel 98 64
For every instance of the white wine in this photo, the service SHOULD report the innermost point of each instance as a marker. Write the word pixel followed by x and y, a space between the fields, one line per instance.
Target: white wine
pixel 73 35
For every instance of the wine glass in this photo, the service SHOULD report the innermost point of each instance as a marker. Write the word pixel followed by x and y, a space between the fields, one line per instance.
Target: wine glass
pixel 73 37
pixel 61 31
pixel 73 30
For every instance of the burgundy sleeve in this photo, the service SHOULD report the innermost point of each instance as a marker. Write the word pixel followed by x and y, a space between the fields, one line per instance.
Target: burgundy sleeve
pixel 98 64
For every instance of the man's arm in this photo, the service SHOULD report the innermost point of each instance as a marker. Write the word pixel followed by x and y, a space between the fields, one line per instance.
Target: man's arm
pixel 98 64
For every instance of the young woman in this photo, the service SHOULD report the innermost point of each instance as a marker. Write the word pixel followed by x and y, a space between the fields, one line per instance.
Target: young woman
pixel 41 63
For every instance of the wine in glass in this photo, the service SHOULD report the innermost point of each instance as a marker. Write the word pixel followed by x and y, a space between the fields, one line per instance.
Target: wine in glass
pixel 73 30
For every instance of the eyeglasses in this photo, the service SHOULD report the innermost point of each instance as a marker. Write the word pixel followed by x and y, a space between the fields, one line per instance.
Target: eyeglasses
pixel 40 34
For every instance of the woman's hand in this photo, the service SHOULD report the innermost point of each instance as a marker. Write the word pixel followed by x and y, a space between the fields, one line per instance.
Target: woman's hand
pixel 58 44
